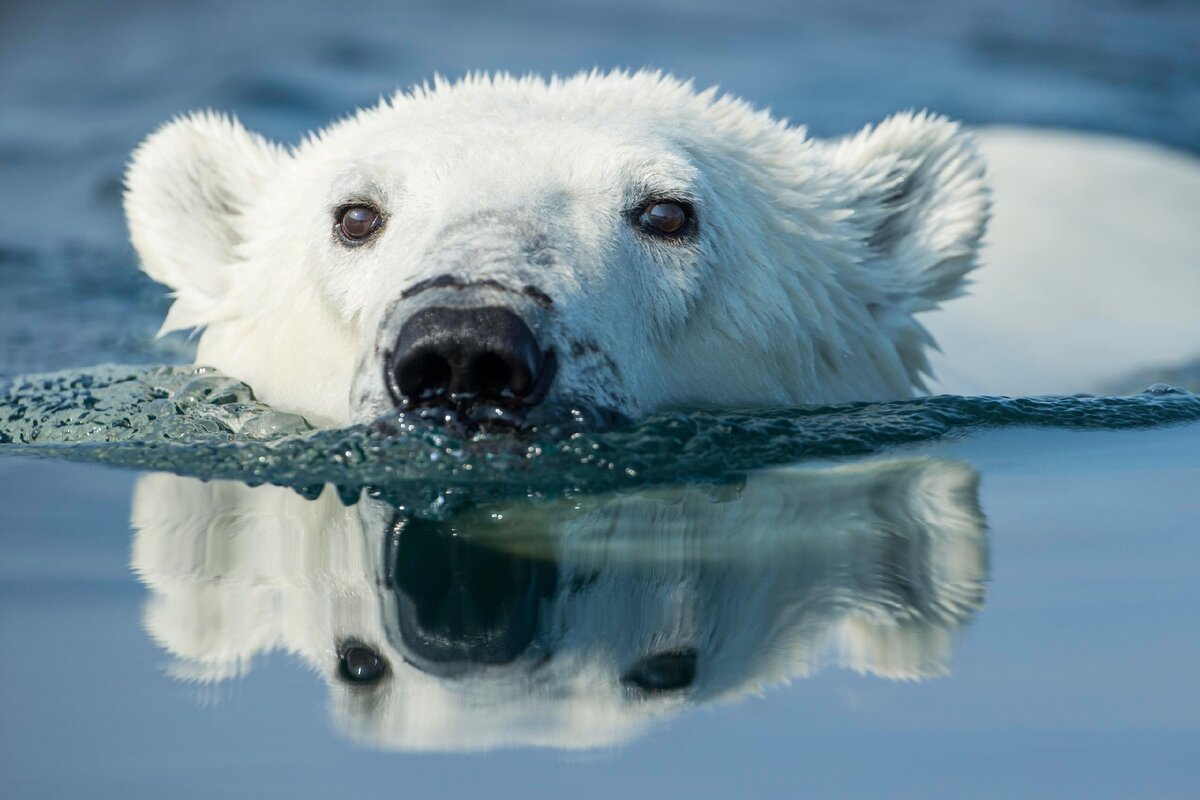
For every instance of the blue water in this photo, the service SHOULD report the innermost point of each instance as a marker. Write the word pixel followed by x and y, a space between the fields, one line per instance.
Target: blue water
pixel 170 631
pixel 1072 674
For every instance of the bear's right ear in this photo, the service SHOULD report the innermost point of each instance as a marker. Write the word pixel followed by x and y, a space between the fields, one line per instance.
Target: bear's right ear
pixel 920 204
pixel 186 190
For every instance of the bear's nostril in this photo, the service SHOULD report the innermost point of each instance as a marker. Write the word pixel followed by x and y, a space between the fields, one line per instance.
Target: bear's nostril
pixel 468 357
pixel 423 376
pixel 493 376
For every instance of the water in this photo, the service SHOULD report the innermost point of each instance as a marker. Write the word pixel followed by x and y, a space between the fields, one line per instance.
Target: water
pixel 195 421
pixel 947 597
pixel 1040 582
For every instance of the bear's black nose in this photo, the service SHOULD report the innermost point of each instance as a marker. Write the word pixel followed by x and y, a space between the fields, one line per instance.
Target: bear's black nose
pixel 468 357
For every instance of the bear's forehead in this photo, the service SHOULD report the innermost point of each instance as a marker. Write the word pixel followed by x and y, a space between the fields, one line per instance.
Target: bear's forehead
pixel 637 99
pixel 639 120
pixel 504 130
pixel 503 154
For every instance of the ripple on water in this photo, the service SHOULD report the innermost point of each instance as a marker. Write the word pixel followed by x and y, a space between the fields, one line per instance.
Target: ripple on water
pixel 196 421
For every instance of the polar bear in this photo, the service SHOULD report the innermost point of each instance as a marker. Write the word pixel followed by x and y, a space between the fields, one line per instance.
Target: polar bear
pixel 618 239
pixel 570 624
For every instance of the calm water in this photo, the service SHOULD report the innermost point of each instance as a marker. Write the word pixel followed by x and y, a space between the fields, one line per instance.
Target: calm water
pixel 1042 582
pixel 945 598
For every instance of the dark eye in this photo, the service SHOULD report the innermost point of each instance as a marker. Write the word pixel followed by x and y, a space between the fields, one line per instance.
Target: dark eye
pixel 359 664
pixel 665 217
pixel 663 672
pixel 356 223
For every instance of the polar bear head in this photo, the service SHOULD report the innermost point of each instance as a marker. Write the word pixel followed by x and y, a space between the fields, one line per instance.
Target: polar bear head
pixel 616 239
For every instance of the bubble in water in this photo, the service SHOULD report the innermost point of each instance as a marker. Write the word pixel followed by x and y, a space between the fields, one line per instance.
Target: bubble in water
pixel 1164 388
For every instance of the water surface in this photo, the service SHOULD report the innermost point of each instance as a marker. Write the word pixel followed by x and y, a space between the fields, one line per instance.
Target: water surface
pixel 1041 583
pixel 948 597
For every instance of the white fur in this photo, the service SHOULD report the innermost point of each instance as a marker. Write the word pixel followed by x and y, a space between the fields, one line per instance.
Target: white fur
pixel 874 566
pixel 810 260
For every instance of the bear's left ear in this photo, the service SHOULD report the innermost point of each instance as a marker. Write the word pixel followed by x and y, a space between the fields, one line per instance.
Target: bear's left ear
pixel 919 202
pixel 186 193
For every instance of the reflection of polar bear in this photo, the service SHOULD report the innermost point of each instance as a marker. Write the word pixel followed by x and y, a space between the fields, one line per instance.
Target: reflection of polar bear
pixel 566 625
pixel 615 238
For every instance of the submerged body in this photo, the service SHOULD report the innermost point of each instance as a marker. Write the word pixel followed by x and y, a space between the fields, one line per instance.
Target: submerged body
pixel 1089 279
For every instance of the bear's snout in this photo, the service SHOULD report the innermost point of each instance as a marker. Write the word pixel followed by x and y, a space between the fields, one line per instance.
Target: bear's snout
pixel 468 358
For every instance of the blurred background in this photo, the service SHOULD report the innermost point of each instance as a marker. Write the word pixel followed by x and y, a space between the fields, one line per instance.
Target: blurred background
pixel 81 83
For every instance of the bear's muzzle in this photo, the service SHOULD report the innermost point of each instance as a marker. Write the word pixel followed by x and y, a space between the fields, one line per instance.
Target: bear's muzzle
pixel 480 361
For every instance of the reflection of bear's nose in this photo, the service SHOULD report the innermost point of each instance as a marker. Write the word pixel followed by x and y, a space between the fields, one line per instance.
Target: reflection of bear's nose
pixel 468 356
pixel 461 605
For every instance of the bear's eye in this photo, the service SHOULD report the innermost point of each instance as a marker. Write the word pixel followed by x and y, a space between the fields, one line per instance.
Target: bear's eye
pixel 663 672
pixel 357 223
pixel 665 217
pixel 359 664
